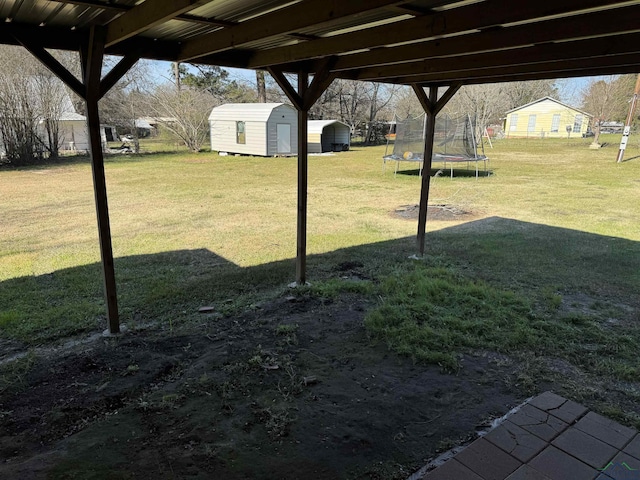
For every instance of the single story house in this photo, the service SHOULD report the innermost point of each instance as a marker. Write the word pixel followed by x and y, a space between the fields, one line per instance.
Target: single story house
pixel 264 129
pixel 546 117
pixel 328 136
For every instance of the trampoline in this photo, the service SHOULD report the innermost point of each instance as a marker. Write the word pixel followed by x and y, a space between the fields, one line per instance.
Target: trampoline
pixel 454 143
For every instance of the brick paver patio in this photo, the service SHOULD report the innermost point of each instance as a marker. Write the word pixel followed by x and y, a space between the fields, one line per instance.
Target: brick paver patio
pixel 548 438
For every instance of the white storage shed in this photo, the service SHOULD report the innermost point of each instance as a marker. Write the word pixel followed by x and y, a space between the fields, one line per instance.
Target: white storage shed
pixel 328 136
pixel 73 132
pixel 264 129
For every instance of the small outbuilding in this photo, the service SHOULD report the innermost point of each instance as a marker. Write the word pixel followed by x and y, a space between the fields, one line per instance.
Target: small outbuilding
pixel 546 117
pixel 264 129
pixel 328 136
pixel 74 135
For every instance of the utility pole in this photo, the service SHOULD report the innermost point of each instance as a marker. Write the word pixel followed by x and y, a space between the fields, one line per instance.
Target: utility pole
pixel 627 124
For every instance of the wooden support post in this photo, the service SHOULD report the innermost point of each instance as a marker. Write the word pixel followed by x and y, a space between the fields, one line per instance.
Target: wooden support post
pixel 303 100
pixel 429 128
pixel 431 106
pixel 303 178
pixel 92 55
pixel 91 89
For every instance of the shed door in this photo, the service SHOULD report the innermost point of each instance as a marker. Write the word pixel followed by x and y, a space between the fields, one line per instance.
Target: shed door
pixel 284 138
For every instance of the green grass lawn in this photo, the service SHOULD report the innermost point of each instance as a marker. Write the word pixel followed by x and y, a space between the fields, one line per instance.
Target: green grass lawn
pixel 546 262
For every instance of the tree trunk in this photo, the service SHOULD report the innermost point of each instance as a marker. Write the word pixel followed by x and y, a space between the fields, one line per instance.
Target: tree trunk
pixel 176 74
pixel 596 131
pixel 261 87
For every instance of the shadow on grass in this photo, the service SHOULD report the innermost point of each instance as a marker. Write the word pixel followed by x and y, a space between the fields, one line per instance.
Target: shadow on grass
pixel 170 287
pixel 108 158
pixel 446 172
pixel 49 164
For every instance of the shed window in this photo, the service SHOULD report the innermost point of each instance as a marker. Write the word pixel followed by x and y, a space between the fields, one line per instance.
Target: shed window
pixel 240 133
pixel 577 123
pixel 555 122
pixel 531 127
pixel 514 122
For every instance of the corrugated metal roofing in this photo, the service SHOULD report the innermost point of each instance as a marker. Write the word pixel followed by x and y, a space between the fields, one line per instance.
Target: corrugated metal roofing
pixel 388 40
pixel 316 126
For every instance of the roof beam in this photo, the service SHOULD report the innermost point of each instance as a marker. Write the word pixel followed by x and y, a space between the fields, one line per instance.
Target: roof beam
pixel 321 81
pixel 608 65
pixel 286 87
pixel 116 73
pixel 593 24
pixel 539 54
pixel 438 24
pixel 52 64
pixel 434 107
pixel 145 16
pixel 116 7
pixel 283 21
pixel 47 37
pixel 552 75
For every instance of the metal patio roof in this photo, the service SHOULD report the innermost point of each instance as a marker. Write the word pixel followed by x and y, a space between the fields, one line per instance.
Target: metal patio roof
pixel 411 42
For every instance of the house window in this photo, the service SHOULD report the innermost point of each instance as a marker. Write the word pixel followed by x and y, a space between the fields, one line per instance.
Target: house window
pixel 531 127
pixel 555 122
pixel 514 122
pixel 240 134
pixel 577 123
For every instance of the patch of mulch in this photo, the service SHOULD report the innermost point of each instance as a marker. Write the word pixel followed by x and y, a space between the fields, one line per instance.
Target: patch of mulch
pixel 444 212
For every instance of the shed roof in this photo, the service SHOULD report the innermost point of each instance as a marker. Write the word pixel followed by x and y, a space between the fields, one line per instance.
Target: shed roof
pixel 424 42
pixel 550 99
pixel 258 112
pixel 316 126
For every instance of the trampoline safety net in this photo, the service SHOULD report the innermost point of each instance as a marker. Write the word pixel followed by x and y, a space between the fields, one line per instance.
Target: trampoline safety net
pixel 454 140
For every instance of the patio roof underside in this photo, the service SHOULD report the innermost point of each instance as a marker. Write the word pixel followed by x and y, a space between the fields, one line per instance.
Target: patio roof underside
pixel 424 42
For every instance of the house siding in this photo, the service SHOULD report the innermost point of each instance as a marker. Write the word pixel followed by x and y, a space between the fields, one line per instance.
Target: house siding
pixel 519 121
pixel 223 137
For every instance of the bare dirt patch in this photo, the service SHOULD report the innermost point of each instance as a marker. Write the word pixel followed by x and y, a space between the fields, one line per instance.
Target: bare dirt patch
pixel 291 389
pixel 443 212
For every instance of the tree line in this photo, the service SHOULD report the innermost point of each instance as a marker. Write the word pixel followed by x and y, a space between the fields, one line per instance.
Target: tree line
pixel 32 101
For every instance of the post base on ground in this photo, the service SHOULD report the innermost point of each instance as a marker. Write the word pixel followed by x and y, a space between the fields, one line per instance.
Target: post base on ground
pixel 123 330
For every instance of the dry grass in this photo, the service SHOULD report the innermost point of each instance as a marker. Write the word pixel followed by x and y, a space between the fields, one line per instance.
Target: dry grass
pixel 243 209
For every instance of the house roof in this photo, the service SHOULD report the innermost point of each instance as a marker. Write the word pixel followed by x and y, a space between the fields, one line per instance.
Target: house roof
pixel 156 120
pixel 72 116
pixel 426 42
pixel 316 126
pixel 257 112
pixel 553 100
pixel 143 124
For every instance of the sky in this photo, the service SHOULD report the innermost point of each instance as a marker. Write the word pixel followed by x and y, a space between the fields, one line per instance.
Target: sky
pixel 570 88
